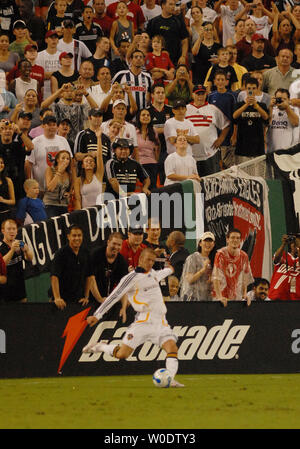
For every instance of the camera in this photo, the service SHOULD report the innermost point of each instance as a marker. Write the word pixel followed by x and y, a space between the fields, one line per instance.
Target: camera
pixel 278 100
pixel 22 244
pixel 291 238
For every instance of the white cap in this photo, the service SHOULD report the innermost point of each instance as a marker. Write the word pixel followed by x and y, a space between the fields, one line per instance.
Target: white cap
pixel 119 102
pixel 207 235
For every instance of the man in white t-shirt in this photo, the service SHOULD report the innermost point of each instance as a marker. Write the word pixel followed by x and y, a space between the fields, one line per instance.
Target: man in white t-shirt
pixel 49 60
pixel 227 14
pixel 100 91
pixel 150 10
pixel 207 120
pixel 180 166
pixel 179 122
pixel 78 49
pixel 46 147
pixel 284 128
pixel 126 129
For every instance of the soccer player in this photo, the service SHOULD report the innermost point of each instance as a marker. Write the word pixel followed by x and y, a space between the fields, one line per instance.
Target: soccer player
pixel 144 294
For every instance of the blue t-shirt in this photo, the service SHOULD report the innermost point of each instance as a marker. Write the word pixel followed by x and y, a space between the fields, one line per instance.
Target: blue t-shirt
pixel 34 207
pixel 226 103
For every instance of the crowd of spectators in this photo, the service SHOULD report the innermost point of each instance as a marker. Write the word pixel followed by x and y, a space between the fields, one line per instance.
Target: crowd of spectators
pixel 122 96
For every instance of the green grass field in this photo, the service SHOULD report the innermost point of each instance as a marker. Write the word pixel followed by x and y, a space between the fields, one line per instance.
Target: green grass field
pixel 132 402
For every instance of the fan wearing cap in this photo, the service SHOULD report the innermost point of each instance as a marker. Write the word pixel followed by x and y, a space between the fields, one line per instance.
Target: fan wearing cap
pixel 244 46
pixel 179 123
pixel 212 126
pixel 257 59
pixel 66 74
pixel 46 146
pixel 79 50
pixel 86 140
pixel 133 246
pixel 49 59
pixel 123 172
pixel 23 122
pixel 126 129
pixel 196 282
pixel 117 92
pixel 22 38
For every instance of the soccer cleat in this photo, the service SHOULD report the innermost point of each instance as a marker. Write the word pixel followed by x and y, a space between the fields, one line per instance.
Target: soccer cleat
pixel 176 384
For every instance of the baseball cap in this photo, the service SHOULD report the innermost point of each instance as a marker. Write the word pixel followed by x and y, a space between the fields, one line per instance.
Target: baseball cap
pixel 257 37
pixel 136 230
pixel 51 33
pixel 49 119
pixel 207 235
pixel 119 102
pixel 30 47
pixel 24 114
pixel 95 112
pixel 179 104
pixel 122 143
pixel 199 88
pixel 19 24
pixel 65 54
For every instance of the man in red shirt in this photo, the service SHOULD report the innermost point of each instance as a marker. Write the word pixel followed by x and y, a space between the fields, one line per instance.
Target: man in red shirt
pixel 133 246
pixel 135 14
pixel 285 282
pixel 101 17
pixel 232 272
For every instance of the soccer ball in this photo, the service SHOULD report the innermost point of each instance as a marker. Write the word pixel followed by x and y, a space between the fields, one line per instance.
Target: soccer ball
pixel 162 378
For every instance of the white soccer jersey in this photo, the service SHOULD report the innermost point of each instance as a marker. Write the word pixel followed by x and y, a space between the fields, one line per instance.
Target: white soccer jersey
pixel 207 120
pixel 144 294
pixel 281 134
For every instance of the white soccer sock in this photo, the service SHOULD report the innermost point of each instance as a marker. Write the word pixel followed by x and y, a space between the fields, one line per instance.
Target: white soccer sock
pixel 108 349
pixel 172 364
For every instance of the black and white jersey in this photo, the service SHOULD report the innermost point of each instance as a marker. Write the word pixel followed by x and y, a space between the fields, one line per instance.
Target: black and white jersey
pixel 126 172
pixel 88 37
pixel 140 85
pixel 86 140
